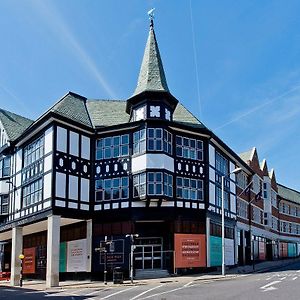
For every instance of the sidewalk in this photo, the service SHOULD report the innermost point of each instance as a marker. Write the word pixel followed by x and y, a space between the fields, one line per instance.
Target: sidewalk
pixel 40 285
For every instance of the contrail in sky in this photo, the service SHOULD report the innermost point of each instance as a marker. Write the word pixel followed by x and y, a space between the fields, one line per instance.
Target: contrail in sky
pixel 62 30
pixel 12 95
pixel 258 107
pixel 195 61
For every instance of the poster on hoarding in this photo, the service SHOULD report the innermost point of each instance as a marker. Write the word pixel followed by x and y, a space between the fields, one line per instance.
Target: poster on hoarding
pixel 77 256
pixel 190 250
pixel 291 250
pixel 63 257
pixel 29 261
pixel 262 250
pixel 215 251
pixel 229 252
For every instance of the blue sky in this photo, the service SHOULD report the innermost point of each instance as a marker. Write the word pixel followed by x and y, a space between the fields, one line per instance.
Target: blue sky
pixel 234 64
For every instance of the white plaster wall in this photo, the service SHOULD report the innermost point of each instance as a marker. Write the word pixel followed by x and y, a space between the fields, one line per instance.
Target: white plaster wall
pixel 73 187
pixel 61 139
pixel 212 155
pixel 85 147
pixel 4 186
pixel 74 143
pixel 48 163
pixel 19 160
pixel 212 174
pixel 153 161
pixel 48 140
pixel 17 199
pixel 47 186
pixel 232 187
pixel 60 189
pixel 18 180
pixel 231 168
pixel 212 193
pixel 85 187
pixel 233 203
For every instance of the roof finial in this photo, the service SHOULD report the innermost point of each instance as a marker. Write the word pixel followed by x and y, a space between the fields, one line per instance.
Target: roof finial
pixel 151 16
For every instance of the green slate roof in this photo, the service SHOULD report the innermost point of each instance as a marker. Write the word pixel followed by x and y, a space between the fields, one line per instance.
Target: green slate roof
pixel 13 124
pixel 152 76
pixel 72 106
pixel 91 113
pixel 288 194
pixel 112 112
pixel 107 112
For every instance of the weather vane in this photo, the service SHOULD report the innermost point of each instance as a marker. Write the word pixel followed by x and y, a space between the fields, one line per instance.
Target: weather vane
pixel 151 16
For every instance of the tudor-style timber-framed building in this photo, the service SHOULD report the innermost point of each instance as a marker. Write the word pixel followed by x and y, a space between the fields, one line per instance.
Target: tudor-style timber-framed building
pixel 88 172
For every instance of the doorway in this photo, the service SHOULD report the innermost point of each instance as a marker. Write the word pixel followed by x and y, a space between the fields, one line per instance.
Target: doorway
pixel 148 254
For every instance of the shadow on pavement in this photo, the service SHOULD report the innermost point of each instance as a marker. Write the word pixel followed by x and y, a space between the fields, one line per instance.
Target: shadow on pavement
pixel 8 293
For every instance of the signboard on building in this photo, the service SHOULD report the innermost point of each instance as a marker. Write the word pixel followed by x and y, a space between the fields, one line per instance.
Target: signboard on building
pixel 190 250
pixel 118 252
pixel 77 256
pixel 115 252
pixel 29 261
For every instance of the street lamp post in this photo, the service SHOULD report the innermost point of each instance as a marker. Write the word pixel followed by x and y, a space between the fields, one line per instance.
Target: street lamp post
pixel 103 249
pixel 21 257
pixel 250 201
pixel 132 236
pixel 223 217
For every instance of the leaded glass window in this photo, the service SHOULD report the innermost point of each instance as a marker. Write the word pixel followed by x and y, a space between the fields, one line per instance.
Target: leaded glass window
pixel 112 147
pixel 189 188
pixel 189 148
pixel 112 188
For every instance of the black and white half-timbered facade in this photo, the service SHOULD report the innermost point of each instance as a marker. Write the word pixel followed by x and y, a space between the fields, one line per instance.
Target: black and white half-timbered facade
pixel 89 172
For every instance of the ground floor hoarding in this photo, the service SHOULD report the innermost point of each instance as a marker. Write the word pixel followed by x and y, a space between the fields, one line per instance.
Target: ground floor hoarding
pixel 190 250
pixel 118 252
pixel 77 256
pixel 215 251
pixel 63 257
pixel 261 250
pixel 229 252
pixel 73 256
pixel 283 249
pixel 292 249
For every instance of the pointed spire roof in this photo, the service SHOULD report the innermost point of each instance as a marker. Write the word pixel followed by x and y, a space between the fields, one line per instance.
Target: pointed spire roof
pixel 152 81
pixel 152 75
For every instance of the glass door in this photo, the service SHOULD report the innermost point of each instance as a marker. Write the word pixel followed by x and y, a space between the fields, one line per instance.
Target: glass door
pixel 148 257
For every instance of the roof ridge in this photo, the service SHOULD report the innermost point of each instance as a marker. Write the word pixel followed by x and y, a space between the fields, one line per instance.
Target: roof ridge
pixel 108 100
pixel 288 188
pixel 7 111
pixel 191 114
